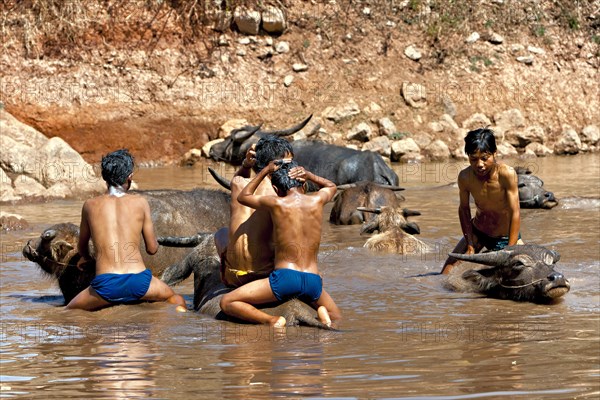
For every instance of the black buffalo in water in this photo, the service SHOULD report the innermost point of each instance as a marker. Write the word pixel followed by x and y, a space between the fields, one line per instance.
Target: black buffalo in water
pixel 362 194
pixel 173 212
pixel 520 273
pixel 532 193
pixel 204 263
pixel 340 165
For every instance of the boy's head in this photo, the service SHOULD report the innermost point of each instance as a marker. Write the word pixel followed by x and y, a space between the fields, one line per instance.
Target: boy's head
pixel 271 148
pixel 481 140
pixel 117 167
pixel 282 182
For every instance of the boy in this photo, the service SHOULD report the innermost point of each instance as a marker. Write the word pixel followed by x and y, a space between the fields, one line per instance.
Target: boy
pixel 114 222
pixel 494 188
pixel 246 247
pixel 297 221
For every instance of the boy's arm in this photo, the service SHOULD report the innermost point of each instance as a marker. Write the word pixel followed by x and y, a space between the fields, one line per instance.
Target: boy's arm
pixel 148 229
pixel 247 164
pixel 84 238
pixel 464 212
pixel 509 180
pixel 247 196
pixel 327 188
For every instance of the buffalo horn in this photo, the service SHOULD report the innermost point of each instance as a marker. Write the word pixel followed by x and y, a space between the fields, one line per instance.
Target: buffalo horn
pixel 409 213
pixel 492 258
pixel 182 241
pixel 220 180
pixel 290 131
pixel 242 135
pixel 371 210
pixel 370 226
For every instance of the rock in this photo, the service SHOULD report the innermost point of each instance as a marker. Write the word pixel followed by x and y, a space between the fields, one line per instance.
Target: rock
pixel 476 121
pixel 299 67
pixel 527 60
pixel 435 127
pixel 372 108
pixel 538 149
pixel 269 41
pixel 405 150
pixel 247 20
pixel 521 138
pixel 568 142
pixel 422 139
pixel 26 186
pixel 205 152
pixel 379 144
pixel 287 81
pixel 495 38
pixel 282 47
pixel 223 41
pixel 273 20
pixel 361 132
pixel 437 151
pixel 341 112
pixel 230 125
pixel 449 106
pixel 386 126
pixel 413 53
pixel 506 150
pixel 244 41
pixel 507 121
pixel 7 193
pixel 516 48
pixel 536 50
pixel 12 222
pixel 192 156
pixel 217 19
pixel 414 94
pixel 459 154
pixel 590 135
pixel 472 38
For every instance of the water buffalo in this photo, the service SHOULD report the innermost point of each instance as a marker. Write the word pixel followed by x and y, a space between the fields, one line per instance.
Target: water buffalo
pixel 395 232
pixel 340 165
pixel 173 212
pixel 362 194
pixel 532 193
pixel 208 288
pixel 520 273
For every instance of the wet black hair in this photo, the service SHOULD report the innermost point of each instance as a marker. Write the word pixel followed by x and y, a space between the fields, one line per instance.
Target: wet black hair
pixel 116 167
pixel 282 181
pixel 480 139
pixel 270 148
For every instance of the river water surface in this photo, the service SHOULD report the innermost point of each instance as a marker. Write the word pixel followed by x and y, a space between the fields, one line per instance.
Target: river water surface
pixel 402 336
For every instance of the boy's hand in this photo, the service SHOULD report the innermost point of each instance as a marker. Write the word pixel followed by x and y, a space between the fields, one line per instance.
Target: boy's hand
pixel 250 159
pixel 83 264
pixel 298 173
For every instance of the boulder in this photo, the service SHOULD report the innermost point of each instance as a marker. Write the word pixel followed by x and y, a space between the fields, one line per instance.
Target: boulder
pixel 531 134
pixel 26 186
pixel 341 112
pixel 207 146
pixel 12 222
pixel 7 192
pixel 192 156
pixel 538 149
pixel 506 150
pixel 386 126
pixel 476 121
pixel 590 135
pixel 361 132
pixel 437 151
pixel 414 94
pixel 422 139
pixel 413 53
pixel 507 121
pixel 230 125
pixel 247 20
pixel 379 144
pixel 405 150
pixel 568 142
pixel 273 20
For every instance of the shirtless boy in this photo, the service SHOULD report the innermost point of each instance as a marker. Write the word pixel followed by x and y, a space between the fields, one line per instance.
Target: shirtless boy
pixel 494 188
pixel 297 219
pixel 246 247
pixel 114 222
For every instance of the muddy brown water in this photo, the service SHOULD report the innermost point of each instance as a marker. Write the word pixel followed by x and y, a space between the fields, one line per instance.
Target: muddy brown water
pixel 402 337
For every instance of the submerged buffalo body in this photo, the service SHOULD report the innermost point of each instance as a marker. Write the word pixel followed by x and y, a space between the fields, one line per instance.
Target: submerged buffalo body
pixel 363 194
pixel 340 165
pixel 520 273
pixel 204 263
pixel 173 212
pixel 532 193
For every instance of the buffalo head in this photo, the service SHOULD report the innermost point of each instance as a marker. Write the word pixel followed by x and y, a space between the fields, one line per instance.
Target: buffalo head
pixel 395 232
pixel 55 251
pixel 521 273
pixel 233 149
pixel 532 193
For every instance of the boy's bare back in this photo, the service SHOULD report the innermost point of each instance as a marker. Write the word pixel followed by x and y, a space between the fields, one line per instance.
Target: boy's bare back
pixel 114 225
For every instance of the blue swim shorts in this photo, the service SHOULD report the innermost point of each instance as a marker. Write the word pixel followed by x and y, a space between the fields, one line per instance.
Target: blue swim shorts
pixel 122 288
pixel 490 242
pixel 288 284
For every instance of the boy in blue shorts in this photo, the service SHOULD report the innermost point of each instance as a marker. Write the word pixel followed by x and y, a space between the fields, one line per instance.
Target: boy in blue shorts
pixel 297 219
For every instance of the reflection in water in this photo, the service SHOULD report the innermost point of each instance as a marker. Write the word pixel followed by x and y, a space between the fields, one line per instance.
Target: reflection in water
pixel 404 335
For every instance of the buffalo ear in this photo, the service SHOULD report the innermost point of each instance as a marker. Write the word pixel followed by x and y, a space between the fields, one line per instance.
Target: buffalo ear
pixel 63 246
pixel 478 276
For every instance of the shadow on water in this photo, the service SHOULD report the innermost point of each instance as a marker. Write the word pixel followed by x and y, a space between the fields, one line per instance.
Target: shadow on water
pixel 53 300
